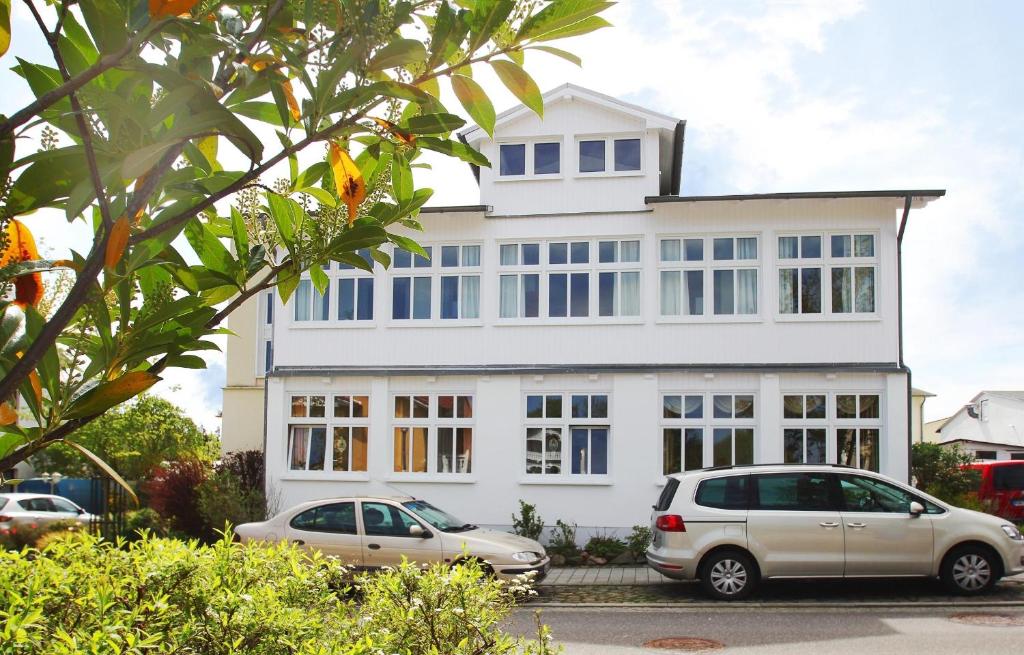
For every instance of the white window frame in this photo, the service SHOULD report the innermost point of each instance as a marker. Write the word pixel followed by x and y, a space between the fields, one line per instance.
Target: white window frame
pixel 803 423
pixel 707 423
pixel 709 265
pixel 335 274
pixel 609 154
pixel 519 269
pixel 432 423
pixel 683 424
pixel 566 423
pixel 435 272
pixel 528 163
pixel 826 263
pixel 266 312
pixel 328 422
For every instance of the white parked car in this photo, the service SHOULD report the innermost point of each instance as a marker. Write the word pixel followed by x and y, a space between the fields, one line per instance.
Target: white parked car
pixel 17 510
pixel 373 532
pixel 732 527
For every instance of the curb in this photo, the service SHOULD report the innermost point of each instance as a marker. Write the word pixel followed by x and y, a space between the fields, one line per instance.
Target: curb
pixel 776 605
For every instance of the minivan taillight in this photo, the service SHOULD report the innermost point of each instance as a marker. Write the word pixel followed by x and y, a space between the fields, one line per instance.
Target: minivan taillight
pixel 670 523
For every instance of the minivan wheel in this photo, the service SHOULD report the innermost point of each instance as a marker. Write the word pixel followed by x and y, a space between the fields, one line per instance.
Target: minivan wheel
pixel 728 575
pixel 969 570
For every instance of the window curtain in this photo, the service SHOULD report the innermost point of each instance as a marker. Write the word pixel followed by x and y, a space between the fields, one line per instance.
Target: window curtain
pixel 746 290
pixel 788 247
pixel 509 302
pixel 629 251
pixel 841 301
pixel 302 308
pixel 298 448
pixel 509 254
pixel 471 296
pixel 629 299
pixel 723 406
pixel 670 251
pixel 321 303
pixel 787 290
pixel 470 255
pixel 694 407
pixel 793 406
pixel 670 292
pixel 746 248
pixel 865 282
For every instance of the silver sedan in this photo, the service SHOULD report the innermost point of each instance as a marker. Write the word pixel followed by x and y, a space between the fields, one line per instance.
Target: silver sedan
pixel 17 510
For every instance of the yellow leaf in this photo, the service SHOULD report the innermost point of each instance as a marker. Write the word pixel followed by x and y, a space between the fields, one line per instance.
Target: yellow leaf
pixel 107 394
pixel 5 26
pixel 7 414
pixel 208 146
pixel 158 8
pixel 21 247
pixel 293 105
pixel 349 180
pixel 37 387
pixel 261 62
pixel 118 242
pixel 405 137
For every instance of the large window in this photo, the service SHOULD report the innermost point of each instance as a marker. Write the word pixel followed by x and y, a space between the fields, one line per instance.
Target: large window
pixel 567 434
pixel 347 295
pixel 445 287
pixel 700 430
pixel 601 154
pixel 355 291
pixel 573 267
pixel 310 303
pixel 618 290
pixel 541 157
pixel 805 425
pixel 433 434
pixel 722 268
pixel 847 263
pixel 328 432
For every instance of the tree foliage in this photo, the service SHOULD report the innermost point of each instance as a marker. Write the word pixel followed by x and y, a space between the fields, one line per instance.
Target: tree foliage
pixel 134 438
pixel 164 118
pixel 940 471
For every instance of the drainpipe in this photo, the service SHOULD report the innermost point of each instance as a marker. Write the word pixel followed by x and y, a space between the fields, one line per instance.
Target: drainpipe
pixel 899 294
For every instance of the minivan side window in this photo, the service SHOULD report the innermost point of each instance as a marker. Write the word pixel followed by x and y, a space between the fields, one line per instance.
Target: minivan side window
pixel 861 494
pixel 795 492
pixel 723 493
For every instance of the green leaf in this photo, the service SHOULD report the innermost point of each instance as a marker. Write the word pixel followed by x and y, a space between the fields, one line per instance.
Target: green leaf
pixel 322 196
pixel 400 52
pixel 520 84
pixel 558 15
pixel 17 269
pixel 319 279
pixel 352 259
pixel 485 19
pixel 108 394
pixel 103 465
pixel 48 179
pixel 5 26
pixel 585 26
pixel 401 179
pixel 6 151
pixel 286 283
pixel 449 30
pixel 239 233
pixel 558 52
pixel 107 22
pixel 475 101
pixel 454 149
pixel 287 215
pixel 13 329
pixel 311 175
pixel 187 361
pixel 433 123
pixel 210 250
pixel 405 243
pixel 261 111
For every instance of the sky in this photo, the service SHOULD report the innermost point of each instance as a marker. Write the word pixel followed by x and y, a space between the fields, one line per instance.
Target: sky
pixel 798 96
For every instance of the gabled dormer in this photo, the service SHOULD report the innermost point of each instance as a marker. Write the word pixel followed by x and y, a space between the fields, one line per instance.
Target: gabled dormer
pixel 589 153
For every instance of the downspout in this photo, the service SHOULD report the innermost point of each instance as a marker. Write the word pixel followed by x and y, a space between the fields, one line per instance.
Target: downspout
pixel 899 294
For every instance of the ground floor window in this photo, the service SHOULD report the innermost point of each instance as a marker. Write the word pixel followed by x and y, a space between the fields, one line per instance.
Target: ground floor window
pixel 682 449
pixel 858 447
pixel 307 447
pixel 574 442
pixel 803 445
pixel 733 446
pixel 433 434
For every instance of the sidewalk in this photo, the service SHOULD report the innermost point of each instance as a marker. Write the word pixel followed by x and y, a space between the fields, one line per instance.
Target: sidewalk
pixel 604 575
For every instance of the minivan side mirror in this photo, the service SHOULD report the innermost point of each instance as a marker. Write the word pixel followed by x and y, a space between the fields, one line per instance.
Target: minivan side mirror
pixel 916 509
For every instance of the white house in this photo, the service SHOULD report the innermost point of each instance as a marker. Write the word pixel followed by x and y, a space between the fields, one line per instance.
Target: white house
pixel 583 331
pixel 991 426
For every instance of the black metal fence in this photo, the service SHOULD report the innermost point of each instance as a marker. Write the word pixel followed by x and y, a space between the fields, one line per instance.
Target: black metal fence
pixel 110 502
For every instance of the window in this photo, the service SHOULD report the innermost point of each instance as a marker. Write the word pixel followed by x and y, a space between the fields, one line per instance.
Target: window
pixel 733 430
pixel 862 494
pixel 355 291
pixel 985 454
pixel 799 492
pixel 810 406
pixel 627 154
pixel 731 271
pixel 682 433
pixel 310 449
pixel 265 333
pixel 519 284
pixel 433 433
pixel 383 520
pixel 592 156
pixel 735 288
pixel 853 406
pixel 310 304
pixel 457 273
pixel 569 293
pixel 723 493
pixel 336 518
pixel 61 505
pixel 721 425
pixel 682 277
pixel 858 432
pixel 583 418
pixel 621 155
pixel 800 444
pixel 850 262
pixel 540 157
pixel 619 291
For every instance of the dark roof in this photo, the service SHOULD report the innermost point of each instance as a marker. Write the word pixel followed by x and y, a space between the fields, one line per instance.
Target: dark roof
pixel 454 209
pixel 928 193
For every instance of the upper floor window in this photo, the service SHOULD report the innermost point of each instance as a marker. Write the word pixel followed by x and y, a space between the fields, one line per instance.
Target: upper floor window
pixel 347 292
pixel 355 291
pixel 537 157
pixel 456 292
pixel 598 155
pixel 693 268
pixel 519 283
pixel 310 303
pixel 569 280
pixel 849 264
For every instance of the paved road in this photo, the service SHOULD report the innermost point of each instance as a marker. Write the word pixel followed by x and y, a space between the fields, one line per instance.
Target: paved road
pixel 797 631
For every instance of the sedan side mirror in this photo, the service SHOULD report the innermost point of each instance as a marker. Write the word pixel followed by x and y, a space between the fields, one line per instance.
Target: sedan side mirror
pixel 916 509
pixel 418 531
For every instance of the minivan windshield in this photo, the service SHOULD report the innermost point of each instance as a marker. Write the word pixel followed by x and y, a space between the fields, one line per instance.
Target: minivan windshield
pixel 1008 478
pixel 438 518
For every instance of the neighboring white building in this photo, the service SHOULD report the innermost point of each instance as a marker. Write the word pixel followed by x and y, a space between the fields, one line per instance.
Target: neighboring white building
pixel 917 399
pixel 583 331
pixel 991 426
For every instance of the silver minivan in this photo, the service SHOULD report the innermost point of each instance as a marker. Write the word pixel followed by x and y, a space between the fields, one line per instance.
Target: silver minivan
pixel 731 527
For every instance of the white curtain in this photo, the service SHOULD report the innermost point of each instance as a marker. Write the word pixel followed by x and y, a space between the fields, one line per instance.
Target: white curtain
pixel 746 291
pixel 788 247
pixel 629 251
pixel 670 292
pixel 470 255
pixel 746 248
pixel 509 305
pixel 787 290
pixel 509 254
pixel 471 296
pixel 629 298
pixel 302 294
pixel 321 304
pixel 864 245
pixel 670 250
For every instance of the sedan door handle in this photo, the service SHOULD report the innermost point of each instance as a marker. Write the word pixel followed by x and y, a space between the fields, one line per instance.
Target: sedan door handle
pixel 373 546
pixel 857 525
pixel 829 524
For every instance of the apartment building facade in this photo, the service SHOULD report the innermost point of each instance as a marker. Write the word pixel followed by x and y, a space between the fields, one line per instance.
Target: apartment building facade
pixel 583 332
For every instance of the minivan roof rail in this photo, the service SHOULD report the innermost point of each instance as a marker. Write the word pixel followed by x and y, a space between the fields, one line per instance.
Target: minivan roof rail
pixel 744 466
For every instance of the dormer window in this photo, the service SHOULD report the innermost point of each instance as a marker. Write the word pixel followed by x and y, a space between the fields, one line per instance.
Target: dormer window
pixel 610 155
pixel 536 158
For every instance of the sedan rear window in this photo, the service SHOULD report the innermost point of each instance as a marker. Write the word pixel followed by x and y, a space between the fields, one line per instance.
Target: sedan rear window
pixel 723 493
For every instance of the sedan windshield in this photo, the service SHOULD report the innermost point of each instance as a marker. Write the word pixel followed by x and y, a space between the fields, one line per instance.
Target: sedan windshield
pixel 438 518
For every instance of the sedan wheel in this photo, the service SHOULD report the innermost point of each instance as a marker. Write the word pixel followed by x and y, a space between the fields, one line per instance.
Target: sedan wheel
pixel 728 576
pixel 969 571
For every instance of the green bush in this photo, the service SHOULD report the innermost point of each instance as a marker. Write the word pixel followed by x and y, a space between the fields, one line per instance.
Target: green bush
pixel 639 541
pixel 144 520
pixel 528 523
pixel 166 596
pixel 605 547
pixel 222 500
pixel 939 471
pixel 563 542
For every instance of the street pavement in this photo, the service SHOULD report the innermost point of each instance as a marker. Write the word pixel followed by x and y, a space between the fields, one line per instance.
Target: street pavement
pixel 767 631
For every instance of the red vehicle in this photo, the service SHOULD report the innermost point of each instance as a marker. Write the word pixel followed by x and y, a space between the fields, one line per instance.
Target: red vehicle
pixel 1001 488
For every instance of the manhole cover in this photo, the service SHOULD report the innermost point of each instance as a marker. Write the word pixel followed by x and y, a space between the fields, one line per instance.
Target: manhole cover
pixel 991 620
pixel 691 644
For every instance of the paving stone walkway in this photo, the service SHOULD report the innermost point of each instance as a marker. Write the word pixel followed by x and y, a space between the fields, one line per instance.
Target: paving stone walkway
pixel 644 586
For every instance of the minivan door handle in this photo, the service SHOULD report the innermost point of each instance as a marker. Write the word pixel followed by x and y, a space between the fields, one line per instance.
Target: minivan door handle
pixel 857 525
pixel 373 546
pixel 829 524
